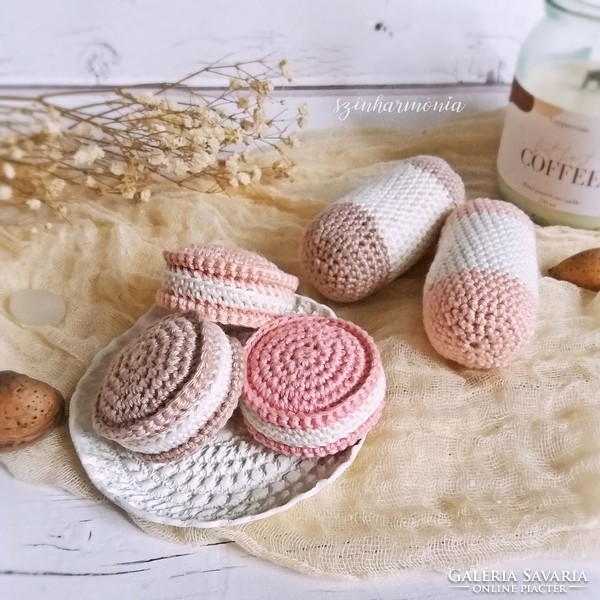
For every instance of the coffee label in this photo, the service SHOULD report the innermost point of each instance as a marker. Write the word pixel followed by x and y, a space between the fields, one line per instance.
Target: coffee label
pixel 551 155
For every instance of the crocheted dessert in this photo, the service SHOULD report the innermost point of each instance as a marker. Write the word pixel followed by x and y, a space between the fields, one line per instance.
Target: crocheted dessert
pixel 227 285
pixel 376 233
pixel 169 391
pixel 313 385
pixel 481 291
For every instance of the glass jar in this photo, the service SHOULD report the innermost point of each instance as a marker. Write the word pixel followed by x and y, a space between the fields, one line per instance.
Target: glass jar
pixel 549 156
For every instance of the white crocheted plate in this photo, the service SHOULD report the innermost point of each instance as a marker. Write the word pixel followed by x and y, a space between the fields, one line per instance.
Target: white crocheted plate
pixel 230 481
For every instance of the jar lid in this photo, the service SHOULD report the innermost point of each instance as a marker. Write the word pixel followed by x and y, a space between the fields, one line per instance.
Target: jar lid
pixel 588 9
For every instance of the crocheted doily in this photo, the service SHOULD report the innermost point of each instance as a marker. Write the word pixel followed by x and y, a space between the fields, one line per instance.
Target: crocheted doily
pixel 231 480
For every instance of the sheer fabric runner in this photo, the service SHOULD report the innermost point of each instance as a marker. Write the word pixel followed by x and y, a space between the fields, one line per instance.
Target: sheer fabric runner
pixel 465 467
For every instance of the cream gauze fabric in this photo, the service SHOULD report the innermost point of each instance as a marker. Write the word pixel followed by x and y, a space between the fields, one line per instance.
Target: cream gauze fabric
pixel 465 467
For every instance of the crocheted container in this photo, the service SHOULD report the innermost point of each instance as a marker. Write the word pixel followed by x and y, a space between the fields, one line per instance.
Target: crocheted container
pixel 227 285
pixel 313 385
pixel 230 480
pixel 480 298
pixel 376 233
pixel 170 390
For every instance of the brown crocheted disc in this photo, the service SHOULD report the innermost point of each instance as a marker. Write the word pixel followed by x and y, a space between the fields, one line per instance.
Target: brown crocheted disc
pixel 170 389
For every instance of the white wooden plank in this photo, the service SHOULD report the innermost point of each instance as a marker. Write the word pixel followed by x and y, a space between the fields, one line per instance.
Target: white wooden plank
pixel 56 546
pixel 334 42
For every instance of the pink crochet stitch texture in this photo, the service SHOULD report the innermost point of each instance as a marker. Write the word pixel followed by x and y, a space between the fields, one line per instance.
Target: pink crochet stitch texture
pixel 313 385
pixel 376 233
pixel 225 284
pixel 480 297
pixel 170 391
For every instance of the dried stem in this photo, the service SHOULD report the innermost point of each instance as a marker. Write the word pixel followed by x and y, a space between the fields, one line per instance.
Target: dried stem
pixel 123 144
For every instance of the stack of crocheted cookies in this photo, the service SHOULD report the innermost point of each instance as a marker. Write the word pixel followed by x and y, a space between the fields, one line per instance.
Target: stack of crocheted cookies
pixel 308 385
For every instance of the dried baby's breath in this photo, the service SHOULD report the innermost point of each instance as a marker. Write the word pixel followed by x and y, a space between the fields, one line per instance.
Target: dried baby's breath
pixel 5 192
pixel 8 171
pixel 302 114
pixel 286 69
pixel 134 137
pixel 34 203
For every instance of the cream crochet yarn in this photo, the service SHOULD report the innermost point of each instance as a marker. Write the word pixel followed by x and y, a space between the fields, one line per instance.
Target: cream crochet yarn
pixel 374 234
pixel 481 291
pixel 170 390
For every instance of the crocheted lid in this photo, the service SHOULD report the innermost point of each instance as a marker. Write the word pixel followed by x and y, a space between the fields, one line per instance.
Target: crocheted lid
pixel 313 385
pixel 170 390
pixel 226 285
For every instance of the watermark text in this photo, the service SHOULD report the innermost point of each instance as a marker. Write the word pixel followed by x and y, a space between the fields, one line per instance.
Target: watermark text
pixel 381 104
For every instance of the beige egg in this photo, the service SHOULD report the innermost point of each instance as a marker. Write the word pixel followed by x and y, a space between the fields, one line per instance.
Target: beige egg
pixel 28 410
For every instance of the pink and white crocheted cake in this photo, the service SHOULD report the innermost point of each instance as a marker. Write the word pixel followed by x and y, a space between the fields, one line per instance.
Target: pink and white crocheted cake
pixel 169 391
pixel 313 385
pixel 480 298
pixel 227 285
pixel 376 233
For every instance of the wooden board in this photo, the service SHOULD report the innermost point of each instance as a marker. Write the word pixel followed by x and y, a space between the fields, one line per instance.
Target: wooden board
pixel 333 42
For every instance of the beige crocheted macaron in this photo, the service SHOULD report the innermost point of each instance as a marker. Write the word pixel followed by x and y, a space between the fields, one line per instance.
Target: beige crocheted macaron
pixel 169 391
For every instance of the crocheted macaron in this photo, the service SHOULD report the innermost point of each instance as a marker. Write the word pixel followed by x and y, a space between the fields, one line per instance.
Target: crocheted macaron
pixel 376 233
pixel 481 292
pixel 227 285
pixel 168 392
pixel 313 385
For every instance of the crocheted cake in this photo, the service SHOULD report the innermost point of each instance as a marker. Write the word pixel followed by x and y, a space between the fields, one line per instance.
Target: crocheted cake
pixel 227 285
pixel 313 385
pixel 376 233
pixel 480 297
pixel 169 391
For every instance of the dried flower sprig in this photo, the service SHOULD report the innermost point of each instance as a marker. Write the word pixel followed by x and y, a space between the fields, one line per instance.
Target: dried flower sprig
pixel 140 134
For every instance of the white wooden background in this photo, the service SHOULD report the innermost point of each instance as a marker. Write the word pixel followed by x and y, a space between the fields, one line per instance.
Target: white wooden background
pixel 55 546
pixel 330 42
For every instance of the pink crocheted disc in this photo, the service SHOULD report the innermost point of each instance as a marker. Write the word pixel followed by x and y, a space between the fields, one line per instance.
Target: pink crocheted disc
pixel 313 385
pixel 170 390
pixel 213 311
pixel 227 285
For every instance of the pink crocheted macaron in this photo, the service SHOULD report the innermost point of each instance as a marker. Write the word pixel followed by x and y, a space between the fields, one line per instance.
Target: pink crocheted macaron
pixel 481 292
pixel 227 285
pixel 376 233
pixel 313 385
pixel 170 391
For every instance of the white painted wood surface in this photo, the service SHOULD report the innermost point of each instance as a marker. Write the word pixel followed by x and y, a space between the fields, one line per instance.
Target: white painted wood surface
pixel 58 547
pixel 330 42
